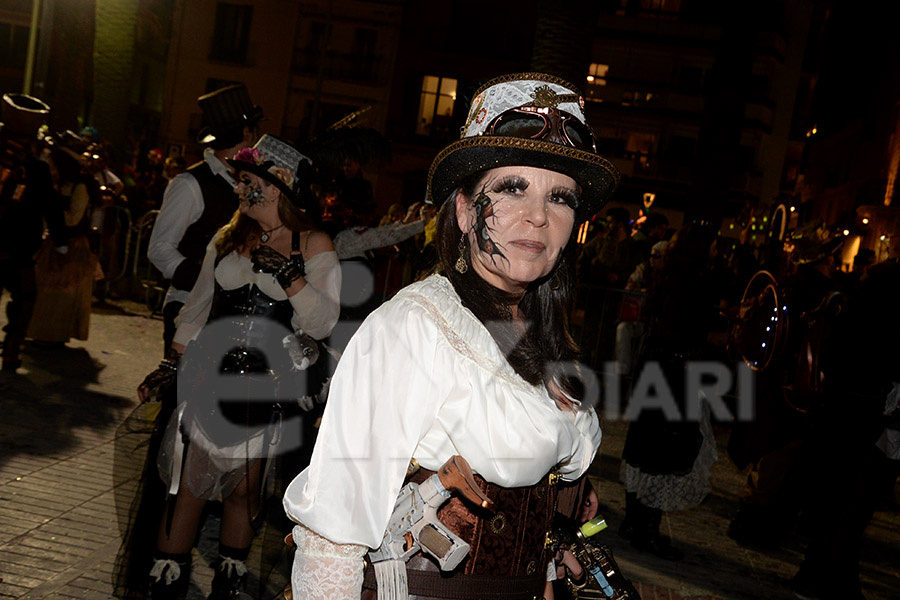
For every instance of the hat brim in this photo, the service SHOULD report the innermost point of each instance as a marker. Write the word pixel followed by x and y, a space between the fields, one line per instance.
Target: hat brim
pixel 208 134
pixel 262 173
pixel 597 176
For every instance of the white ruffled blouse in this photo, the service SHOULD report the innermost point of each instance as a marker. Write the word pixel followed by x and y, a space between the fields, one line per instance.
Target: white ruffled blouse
pixel 423 378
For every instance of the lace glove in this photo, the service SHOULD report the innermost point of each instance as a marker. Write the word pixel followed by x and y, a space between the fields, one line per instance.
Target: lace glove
pixel 162 376
pixel 285 270
pixel 324 570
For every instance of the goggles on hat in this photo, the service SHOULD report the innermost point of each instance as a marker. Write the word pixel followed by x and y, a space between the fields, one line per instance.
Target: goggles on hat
pixel 543 123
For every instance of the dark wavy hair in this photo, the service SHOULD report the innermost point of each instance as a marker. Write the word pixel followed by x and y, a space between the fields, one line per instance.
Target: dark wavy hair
pixel 241 231
pixel 547 349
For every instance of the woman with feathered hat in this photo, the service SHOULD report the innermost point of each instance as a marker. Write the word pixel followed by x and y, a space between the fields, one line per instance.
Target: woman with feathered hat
pixel 267 292
pixel 471 361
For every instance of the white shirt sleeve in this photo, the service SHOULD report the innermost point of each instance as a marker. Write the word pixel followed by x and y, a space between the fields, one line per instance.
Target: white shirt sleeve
pixel 195 312
pixel 317 306
pixel 358 467
pixel 182 205
pixel 359 240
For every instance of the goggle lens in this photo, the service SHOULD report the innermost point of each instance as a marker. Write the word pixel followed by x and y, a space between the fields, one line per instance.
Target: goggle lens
pixel 520 125
pixel 552 126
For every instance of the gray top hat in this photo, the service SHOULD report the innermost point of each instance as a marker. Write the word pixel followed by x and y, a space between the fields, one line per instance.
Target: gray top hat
pixel 275 161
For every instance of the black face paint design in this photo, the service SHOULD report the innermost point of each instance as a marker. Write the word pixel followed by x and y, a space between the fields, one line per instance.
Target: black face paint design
pixel 484 210
pixel 253 194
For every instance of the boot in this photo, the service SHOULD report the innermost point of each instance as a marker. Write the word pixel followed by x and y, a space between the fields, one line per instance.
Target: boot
pixel 632 507
pixel 646 537
pixel 231 572
pixel 169 576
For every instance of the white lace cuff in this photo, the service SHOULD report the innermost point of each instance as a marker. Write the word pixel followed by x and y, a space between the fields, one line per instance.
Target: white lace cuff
pixel 324 570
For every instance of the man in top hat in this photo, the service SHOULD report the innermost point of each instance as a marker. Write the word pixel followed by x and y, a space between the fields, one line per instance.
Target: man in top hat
pixel 27 201
pixel 200 200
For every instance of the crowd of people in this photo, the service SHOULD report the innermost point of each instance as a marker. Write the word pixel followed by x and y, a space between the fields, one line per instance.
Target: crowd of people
pixel 474 315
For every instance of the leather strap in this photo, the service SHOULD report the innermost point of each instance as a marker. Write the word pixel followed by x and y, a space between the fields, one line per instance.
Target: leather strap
pixel 460 586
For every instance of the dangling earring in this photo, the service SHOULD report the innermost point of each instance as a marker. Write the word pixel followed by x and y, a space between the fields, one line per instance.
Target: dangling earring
pixel 461 265
pixel 555 282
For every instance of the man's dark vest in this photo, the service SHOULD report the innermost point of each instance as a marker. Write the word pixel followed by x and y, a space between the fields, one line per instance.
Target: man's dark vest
pixel 219 204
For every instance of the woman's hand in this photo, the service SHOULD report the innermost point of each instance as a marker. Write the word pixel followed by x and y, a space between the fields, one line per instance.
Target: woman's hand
pixel 285 270
pixel 566 560
pixel 412 214
pixel 590 504
pixel 163 375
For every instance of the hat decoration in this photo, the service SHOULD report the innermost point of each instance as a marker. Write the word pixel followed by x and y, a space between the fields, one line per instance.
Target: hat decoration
pixel 226 112
pixel 529 119
pixel 274 160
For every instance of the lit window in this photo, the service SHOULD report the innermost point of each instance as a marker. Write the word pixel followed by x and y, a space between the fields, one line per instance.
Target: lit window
pixel 596 78
pixel 436 105
pixel 597 74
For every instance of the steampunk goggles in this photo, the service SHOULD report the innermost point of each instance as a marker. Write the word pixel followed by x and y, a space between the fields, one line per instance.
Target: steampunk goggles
pixel 543 123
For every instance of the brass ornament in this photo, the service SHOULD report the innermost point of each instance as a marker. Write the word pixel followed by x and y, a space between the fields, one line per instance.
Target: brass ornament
pixel 498 523
pixel 544 97
pixel 461 264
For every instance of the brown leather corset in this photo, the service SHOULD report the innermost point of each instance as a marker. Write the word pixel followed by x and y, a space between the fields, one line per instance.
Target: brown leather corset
pixel 506 545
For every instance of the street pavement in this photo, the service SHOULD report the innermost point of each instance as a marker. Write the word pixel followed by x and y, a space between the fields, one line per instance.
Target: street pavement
pixel 62 487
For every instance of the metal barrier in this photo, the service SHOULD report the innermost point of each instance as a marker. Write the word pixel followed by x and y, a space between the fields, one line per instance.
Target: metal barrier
pixel 122 251
pixel 114 242
pixel 142 270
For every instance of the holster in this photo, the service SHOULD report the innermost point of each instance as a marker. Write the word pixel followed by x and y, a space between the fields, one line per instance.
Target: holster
pixel 507 558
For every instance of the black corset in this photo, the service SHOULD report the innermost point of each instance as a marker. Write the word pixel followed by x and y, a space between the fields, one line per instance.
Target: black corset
pixel 243 334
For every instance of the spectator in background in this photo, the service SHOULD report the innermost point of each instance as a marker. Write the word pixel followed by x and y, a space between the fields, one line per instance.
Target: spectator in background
pixel 65 281
pixel 27 202
pixel 395 213
pixel 667 459
pixel 603 268
pixel 652 230
pixel 632 328
pixel 174 165
pixel 149 186
pixel 609 259
pixel 850 460
pixel 105 220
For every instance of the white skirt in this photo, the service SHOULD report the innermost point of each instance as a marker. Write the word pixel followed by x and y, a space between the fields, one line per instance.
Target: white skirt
pixel 676 492
pixel 210 472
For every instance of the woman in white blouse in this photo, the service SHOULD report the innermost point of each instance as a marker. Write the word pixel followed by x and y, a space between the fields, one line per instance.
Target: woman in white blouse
pixel 471 361
pixel 267 274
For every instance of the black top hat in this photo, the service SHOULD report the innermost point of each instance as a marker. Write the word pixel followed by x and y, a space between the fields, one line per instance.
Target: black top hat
pixel 529 119
pixel 227 111
pixel 23 115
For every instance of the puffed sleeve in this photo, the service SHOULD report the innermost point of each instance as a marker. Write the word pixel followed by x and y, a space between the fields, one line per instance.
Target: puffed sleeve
pixel 317 306
pixel 584 445
pixel 195 312
pixel 384 396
